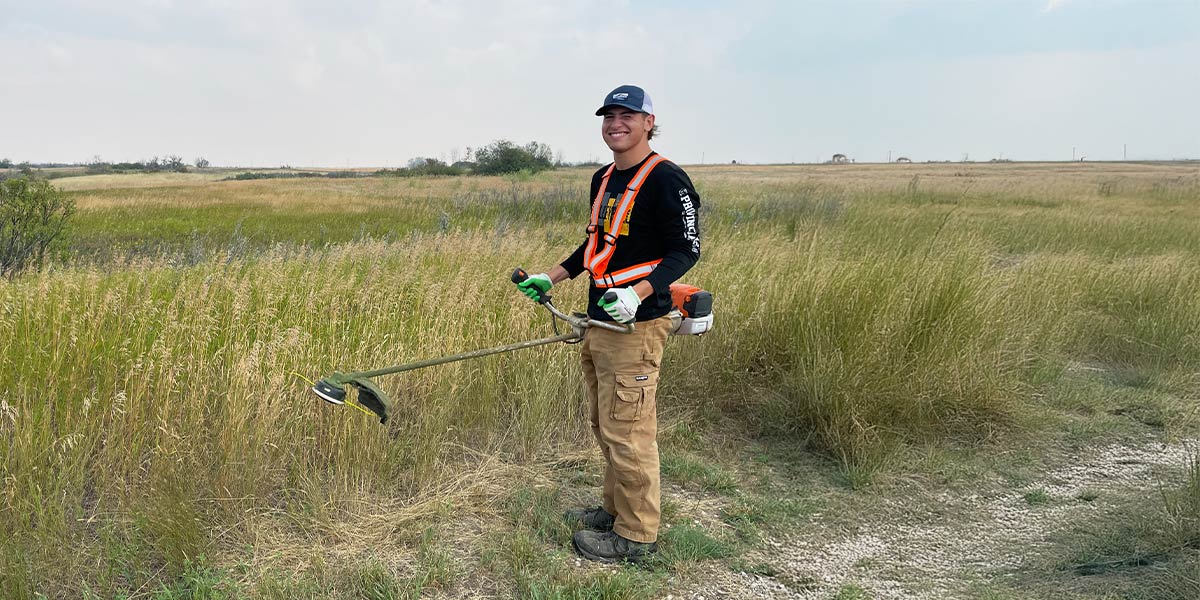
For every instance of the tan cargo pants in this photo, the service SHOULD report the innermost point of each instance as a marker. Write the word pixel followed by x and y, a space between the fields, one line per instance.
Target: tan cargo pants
pixel 621 375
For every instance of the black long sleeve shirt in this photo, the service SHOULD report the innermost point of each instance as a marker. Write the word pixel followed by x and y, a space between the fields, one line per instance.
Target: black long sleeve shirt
pixel 664 223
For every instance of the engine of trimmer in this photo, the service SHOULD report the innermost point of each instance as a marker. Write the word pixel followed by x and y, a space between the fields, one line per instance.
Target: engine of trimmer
pixel 694 308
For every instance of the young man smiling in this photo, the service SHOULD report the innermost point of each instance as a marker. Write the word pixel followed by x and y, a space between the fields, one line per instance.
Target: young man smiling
pixel 642 236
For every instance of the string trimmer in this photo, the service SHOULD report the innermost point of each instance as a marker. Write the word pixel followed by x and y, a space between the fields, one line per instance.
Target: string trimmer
pixel 332 389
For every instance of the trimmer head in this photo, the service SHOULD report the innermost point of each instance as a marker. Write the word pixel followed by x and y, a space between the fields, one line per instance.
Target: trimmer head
pixel 330 392
pixel 332 389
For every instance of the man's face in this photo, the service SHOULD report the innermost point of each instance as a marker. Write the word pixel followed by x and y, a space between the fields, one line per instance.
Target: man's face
pixel 624 129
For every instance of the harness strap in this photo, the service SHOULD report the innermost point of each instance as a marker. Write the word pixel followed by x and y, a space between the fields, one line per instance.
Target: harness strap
pixel 597 262
pixel 594 225
pixel 626 275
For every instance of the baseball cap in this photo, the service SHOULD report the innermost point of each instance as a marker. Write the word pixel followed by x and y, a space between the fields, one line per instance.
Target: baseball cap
pixel 628 96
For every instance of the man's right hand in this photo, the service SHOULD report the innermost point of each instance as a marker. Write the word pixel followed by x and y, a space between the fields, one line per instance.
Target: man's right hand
pixel 536 286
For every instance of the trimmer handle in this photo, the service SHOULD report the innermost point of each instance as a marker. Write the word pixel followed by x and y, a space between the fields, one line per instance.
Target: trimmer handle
pixel 519 275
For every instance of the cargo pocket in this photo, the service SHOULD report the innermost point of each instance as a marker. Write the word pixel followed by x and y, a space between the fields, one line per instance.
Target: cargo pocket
pixel 634 392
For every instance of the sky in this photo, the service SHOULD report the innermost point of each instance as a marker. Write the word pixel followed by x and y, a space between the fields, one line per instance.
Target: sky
pixel 354 83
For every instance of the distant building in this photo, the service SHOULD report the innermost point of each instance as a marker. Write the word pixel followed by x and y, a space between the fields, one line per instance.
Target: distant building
pixel 903 159
pixel 839 159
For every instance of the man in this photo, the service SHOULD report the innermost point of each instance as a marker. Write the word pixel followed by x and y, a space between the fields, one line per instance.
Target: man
pixel 642 236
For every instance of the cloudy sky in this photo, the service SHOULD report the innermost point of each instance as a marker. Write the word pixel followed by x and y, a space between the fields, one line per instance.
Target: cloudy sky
pixel 327 83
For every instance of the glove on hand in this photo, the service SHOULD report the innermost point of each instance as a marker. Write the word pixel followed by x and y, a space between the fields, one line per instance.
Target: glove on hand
pixel 536 286
pixel 623 308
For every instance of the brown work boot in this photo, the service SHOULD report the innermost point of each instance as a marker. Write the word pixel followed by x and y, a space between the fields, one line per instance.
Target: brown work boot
pixel 610 547
pixel 591 518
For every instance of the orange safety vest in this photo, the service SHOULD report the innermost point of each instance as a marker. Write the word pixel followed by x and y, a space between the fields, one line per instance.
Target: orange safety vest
pixel 597 262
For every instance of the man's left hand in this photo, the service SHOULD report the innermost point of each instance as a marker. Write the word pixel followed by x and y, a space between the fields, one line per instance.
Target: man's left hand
pixel 622 308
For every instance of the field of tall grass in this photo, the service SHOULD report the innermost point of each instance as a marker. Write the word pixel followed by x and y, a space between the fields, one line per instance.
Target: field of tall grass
pixel 153 408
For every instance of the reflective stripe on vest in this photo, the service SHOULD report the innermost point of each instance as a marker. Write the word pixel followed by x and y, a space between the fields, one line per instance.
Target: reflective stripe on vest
pixel 597 262
pixel 624 276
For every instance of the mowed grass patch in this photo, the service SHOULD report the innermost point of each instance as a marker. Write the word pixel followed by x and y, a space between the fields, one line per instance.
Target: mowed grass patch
pixel 118 224
pixel 689 469
pixel 532 555
pixel 751 514
pixel 1144 547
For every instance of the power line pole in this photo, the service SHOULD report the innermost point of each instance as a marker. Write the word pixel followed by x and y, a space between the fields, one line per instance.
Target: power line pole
pixel 1124 151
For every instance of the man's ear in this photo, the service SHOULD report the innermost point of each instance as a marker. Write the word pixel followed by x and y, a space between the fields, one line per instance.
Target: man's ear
pixel 649 122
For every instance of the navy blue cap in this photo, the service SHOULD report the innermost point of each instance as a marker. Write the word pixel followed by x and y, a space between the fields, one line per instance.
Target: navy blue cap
pixel 628 96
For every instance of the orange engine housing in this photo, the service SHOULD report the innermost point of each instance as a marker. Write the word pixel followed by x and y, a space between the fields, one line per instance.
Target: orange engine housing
pixel 691 301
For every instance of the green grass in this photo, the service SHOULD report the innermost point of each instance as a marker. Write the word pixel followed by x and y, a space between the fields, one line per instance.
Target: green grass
pixel 1145 548
pixel 762 569
pixel 199 582
pixel 690 543
pixel 1037 497
pixel 151 414
pixel 851 592
pixel 375 582
pixel 625 584
pixel 540 511
pixel 752 513
pixel 690 469
pixel 539 570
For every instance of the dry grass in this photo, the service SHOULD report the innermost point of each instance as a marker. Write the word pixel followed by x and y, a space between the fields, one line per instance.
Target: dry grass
pixel 138 180
pixel 150 414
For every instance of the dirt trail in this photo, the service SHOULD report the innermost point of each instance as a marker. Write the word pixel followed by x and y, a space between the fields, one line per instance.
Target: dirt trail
pixel 939 546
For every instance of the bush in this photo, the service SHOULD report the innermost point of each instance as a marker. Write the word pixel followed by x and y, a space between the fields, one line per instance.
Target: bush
pixel 860 357
pixel 33 216
pixel 503 156
pixel 249 175
pixel 170 163
pixel 98 167
pixel 423 167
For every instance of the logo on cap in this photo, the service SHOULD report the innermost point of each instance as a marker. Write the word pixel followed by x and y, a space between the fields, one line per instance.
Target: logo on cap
pixel 620 96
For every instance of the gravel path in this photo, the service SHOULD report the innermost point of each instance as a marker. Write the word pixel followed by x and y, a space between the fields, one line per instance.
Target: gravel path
pixel 937 547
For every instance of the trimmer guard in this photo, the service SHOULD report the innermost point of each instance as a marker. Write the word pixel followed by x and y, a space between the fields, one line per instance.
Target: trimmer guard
pixel 373 399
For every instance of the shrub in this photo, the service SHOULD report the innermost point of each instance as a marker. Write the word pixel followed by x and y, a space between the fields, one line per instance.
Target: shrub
pixel 33 216
pixel 864 355
pixel 98 166
pixel 248 175
pixel 170 163
pixel 503 156
pixel 425 167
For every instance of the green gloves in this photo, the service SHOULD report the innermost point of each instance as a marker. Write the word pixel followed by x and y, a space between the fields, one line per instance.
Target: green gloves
pixel 536 286
pixel 621 304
